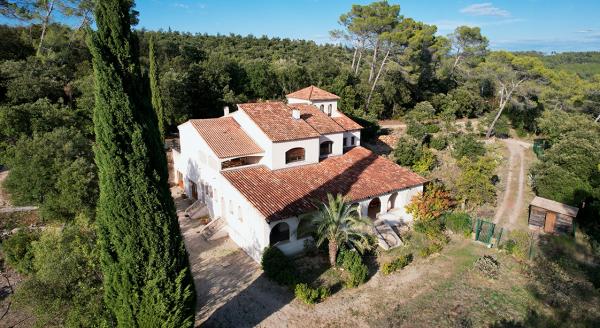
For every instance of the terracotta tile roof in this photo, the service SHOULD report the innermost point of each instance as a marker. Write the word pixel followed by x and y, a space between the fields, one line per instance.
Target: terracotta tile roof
pixel 312 93
pixel 317 119
pixel 347 123
pixel 225 137
pixel 359 174
pixel 276 121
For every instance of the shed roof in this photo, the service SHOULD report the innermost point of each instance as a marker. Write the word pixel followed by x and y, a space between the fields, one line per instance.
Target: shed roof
pixel 555 206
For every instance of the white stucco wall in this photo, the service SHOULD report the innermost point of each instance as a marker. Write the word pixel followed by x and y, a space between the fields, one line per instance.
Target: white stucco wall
pixel 257 135
pixel 338 142
pixel 311 152
pixel 348 136
pixel 334 109
pixel 298 101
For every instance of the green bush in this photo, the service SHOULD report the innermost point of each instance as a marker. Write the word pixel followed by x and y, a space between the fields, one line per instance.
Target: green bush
pixel 417 130
pixel 18 251
pixel 397 264
pixel 311 295
pixel 468 146
pixel 426 162
pixel 439 143
pixel 432 128
pixel 431 249
pixel 433 229
pixel 518 244
pixel 408 151
pixel 459 222
pixel 352 262
pixel 278 267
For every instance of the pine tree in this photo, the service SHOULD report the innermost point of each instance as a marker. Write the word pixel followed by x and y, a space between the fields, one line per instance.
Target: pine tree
pixel 146 273
pixel 157 103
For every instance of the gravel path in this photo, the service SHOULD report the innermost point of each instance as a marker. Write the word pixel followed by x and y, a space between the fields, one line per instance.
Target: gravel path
pixel 516 181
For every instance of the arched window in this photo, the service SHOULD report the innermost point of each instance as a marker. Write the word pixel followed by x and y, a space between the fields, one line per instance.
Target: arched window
pixel 280 232
pixel 294 155
pixel 322 108
pixel 329 109
pixel 326 148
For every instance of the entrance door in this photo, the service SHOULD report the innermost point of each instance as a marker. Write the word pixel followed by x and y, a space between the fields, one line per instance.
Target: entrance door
pixel 194 190
pixel 550 222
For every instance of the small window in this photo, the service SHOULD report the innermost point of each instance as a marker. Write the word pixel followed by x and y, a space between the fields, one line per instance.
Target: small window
pixel 345 142
pixel 352 141
pixel 322 108
pixel 329 109
pixel 294 155
pixel 326 148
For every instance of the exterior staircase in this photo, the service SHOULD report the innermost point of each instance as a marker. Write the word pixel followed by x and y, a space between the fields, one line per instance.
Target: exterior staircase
pixel 386 236
pixel 212 228
pixel 196 210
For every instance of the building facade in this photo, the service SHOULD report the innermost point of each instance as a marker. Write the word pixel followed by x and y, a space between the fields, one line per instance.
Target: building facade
pixel 263 167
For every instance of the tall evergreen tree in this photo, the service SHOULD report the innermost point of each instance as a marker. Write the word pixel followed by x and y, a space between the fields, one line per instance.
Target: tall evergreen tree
pixel 157 103
pixel 146 271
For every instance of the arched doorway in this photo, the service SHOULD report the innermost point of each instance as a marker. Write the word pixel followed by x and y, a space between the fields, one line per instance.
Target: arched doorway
pixel 374 208
pixel 392 201
pixel 280 232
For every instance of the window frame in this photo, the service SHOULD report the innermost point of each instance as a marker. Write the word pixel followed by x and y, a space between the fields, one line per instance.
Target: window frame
pixel 329 143
pixel 295 159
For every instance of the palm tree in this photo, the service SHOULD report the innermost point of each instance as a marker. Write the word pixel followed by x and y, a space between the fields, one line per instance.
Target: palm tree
pixel 339 223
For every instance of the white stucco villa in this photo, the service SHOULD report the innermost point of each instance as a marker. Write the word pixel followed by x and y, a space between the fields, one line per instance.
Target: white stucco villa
pixel 262 167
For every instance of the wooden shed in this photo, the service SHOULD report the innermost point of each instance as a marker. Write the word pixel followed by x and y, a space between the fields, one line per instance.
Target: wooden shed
pixel 551 216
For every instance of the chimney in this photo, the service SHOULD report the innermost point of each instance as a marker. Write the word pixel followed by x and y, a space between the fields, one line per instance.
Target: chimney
pixel 225 110
pixel 296 114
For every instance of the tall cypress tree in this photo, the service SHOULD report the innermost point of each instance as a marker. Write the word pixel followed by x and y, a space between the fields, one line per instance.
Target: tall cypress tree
pixel 157 103
pixel 146 272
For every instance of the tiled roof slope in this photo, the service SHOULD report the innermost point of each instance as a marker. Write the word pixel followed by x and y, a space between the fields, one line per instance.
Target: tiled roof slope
pixel 358 174
pixel 312 93
pixel 276 121
pixel 346 123
pixel 317 119
pixel 225 137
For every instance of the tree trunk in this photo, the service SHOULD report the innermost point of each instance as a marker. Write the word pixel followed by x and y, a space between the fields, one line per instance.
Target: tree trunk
pixel 358 61
pixel 491 127
pixel 374 61
pixel 333 249
pixel 597 118
pixel 456 61
pixel 376 79
pixel 354 57
pixel 49 8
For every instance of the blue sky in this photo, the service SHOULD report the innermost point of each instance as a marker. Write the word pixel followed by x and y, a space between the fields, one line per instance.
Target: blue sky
pixel 542 25
pixel 550 25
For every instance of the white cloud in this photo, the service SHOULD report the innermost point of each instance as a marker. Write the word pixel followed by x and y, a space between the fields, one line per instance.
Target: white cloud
pixel 485 9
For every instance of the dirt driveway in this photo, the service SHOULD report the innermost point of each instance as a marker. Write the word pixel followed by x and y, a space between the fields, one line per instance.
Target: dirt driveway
pixel 513 201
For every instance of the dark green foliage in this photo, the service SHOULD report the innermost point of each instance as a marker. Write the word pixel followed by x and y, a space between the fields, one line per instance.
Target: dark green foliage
pixel 65 285
pixel 438 143
pixel 278 267
pixel 397 264
pixel 17 250
pixel 311 295
pixel 417 130
pixel 147 281
pixel 30 80
pixel 157 103
pixel 53 170
pixel 467 146
pixel 433 229
pixel 458 222
pixel 352 261
pixel 408 151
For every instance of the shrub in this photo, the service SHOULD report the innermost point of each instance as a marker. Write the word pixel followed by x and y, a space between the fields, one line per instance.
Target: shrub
pixel 18 251
pixel 439 143
pixel 352 262
pixel 278 267
pixel 431 249
pixel 408 151
pixel 468 146
pixel 311 295
pixel 432 128
pixel 518 244
pixel 433 229
pixel 417 130
pixel 425 163
pixel 397 264
pixel 422 111
pixel 488 266
pixel 459 222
